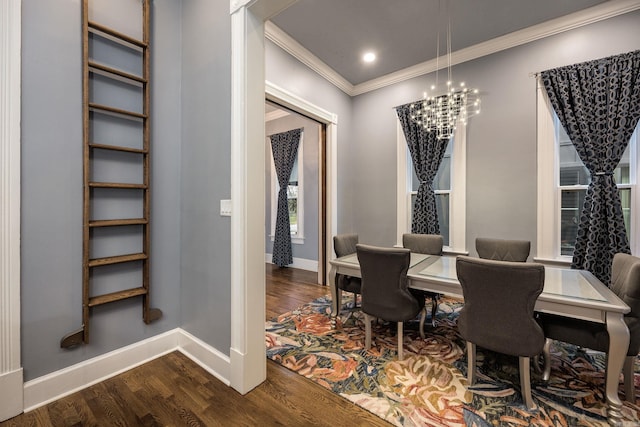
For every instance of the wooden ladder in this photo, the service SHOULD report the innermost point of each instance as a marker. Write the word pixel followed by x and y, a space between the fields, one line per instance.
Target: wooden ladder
pixel 92 67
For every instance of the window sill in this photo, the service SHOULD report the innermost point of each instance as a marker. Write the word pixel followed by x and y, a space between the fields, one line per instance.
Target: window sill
pixel 299 240
pixel 555 262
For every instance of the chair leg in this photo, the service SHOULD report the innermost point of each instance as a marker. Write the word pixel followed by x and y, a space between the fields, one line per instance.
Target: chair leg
pixel 434 309
pixel 367 331
pixel 423 318
pixel 629 386
pixel 546 351
pixel 355 300
pixel 525 382
pixel 471 363
pixel 399 340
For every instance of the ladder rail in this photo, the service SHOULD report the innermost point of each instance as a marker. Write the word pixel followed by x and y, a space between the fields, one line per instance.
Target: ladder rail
pixel 89 67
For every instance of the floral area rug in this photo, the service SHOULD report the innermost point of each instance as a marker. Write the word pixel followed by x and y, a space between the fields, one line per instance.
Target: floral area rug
pixel 429 387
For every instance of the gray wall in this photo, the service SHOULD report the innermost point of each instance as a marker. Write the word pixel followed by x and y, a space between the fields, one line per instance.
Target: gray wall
pixel 310 151
pixel 286 72
pixel 51 247
pixel 206 174
pixel 501 141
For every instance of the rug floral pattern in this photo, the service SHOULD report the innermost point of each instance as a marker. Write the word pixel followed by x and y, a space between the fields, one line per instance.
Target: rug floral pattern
pixel 429 387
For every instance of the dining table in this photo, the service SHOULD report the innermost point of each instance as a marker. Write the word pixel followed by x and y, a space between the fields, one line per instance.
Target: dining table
pixel 567 292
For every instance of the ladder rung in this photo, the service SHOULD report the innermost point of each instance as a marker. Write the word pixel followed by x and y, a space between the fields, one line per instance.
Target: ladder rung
pixel 97 262
pixel 116 296
pixel 116 34
pixel 119 148
pixel 116 185
pixel 115 71
pixel 127 113
pixel 116 222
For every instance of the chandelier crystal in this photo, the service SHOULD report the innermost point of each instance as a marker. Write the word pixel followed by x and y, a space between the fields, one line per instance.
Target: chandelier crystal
pixel 442 113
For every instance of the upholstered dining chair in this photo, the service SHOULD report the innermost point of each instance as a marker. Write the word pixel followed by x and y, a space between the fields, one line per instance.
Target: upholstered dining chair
pixel 343 245
pixel 499 298
pixel 429 244
pixel 625 282
pixel 385 294
pixel 502 249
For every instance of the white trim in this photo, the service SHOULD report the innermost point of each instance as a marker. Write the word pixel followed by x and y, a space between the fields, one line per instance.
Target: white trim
pixel 552 27
pixel 548 202
pixel 61 383
pixel 295 49
pixel 275 115
pixel 301 263
pixel 403 223
pixel 10 105
pixel 248 352
pixel 458 192
pixel 300 105
pixel 294 102
pixel 549 192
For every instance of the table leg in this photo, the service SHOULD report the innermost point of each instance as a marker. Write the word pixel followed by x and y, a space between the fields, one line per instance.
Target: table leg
pixel 618 345
pixel 335 296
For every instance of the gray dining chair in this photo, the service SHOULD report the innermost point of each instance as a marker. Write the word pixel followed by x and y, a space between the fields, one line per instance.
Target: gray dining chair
pixel 503 249
pixel 343 245
pixel 625 282
pixel 385 292
pixel 498 315
pixel 429 244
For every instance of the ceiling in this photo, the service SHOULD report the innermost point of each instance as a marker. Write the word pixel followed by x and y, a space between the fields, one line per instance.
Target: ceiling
pixel 404 33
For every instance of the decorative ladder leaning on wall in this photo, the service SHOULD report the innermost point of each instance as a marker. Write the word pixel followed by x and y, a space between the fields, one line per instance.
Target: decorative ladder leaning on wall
pixel 116 229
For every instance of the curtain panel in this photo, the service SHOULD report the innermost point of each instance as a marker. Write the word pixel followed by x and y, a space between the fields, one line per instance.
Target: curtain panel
pixel 427 152
pixel 598 104
pixel 284 147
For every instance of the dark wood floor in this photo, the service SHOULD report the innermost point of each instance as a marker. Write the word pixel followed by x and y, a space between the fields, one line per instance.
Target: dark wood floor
pixel 174 391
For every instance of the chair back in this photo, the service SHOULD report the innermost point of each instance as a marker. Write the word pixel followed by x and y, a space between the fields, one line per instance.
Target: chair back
pixel 345 244
pixel 430 244
pixel 384 283
pixel 503 250
pixel 499 298
pixel 625 282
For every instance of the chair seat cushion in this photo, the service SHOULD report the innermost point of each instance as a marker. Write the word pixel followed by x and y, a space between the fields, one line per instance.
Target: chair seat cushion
pixel 587 334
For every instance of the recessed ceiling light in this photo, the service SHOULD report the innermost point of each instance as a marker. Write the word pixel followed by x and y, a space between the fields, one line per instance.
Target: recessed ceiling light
pixel 369 57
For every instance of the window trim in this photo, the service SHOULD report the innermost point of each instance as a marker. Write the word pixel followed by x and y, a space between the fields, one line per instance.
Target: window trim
pixel 550 192
pixel 457 192
pixel 298 239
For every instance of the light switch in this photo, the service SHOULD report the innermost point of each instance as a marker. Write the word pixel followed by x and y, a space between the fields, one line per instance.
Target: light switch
pixel 225 207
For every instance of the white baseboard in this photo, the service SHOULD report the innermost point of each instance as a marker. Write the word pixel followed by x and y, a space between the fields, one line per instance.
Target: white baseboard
pixel 210 359
pixel 53 386
pixel 301 263
pixel 10 396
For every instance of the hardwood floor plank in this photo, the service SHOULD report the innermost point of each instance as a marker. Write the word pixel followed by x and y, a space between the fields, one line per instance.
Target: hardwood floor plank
pixel 175 391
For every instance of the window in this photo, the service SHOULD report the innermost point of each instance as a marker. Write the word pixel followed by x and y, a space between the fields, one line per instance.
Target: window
pixel 562 185
pixel 295 197
pixel 441 188
pixel 449 186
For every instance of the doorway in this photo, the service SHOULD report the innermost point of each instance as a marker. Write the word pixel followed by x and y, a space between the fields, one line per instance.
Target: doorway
pixel 306 190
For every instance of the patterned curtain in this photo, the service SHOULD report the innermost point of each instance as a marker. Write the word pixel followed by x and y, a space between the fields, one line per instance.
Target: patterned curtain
pixel 426 154
pixel 284 147
pixel 598 103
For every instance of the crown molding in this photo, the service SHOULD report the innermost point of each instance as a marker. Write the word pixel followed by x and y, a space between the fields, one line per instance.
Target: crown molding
pixel 275 115
pixel 575 20
pixel 295 49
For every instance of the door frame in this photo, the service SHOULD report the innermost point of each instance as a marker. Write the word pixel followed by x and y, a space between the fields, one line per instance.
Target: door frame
pixel 327 197
pixel 11 374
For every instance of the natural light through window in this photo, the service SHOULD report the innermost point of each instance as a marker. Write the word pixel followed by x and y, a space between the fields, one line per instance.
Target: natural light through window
pixel 562 185
pixel 294 197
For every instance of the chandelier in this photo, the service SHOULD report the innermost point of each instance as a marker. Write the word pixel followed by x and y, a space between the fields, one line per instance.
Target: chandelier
pixel 455 104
